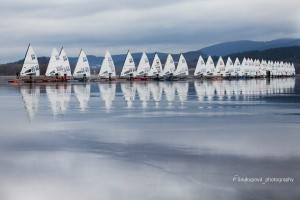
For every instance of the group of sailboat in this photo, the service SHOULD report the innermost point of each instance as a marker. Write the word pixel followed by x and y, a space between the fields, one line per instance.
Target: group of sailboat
pixel 249 68
pixel 59 68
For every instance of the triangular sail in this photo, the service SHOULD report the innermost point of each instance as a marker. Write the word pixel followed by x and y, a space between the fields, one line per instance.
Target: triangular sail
pixel 182 67
pixel 229 67
pixel 200 67
pixel 129 66
pixel 169 66
pixel 108 67
pixel 30 65
pixel 54 63
pixel 220 67
pixel 82 66
pixel 237 67
pixel 156 67
pixel 210 66
pixel 65 68
pixel 144 66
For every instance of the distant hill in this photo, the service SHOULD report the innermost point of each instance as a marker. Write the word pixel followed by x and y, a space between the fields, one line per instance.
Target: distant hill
pixel 226 48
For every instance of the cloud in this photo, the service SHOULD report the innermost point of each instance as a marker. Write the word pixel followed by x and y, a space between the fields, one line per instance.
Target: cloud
pixel 173 26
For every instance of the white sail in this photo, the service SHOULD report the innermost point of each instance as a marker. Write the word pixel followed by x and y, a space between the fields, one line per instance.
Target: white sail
pixel 156 67
pixel 200 67
pixel 82 66
pixel 129 66
pixel 169 68
pixel 237 67
pixel 82 93
pixel 210 66
pixel 54 63
pixel 108 67
pixel 257 67
pixel 30 65
pixel 245 67
pixel 229 69
pixel 30 96
pixel 220 67
pixel 108 93
pixel 182 67
pixel 144 66
pixel 65 65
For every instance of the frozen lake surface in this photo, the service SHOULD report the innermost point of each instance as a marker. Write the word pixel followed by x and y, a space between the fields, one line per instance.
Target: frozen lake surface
pixel 157 140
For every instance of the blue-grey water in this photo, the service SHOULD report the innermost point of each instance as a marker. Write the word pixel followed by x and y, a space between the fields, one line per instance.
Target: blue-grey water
pixel 158 140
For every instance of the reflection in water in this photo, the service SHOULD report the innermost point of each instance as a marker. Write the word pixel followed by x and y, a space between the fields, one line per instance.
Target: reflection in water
pixel 108 92
pixel 59 96
pixel 30 95
pixel 156 89
pixel 82 93
pixel 143 93
pixel 207 91
pixel 169 90
pixel 182 89
pixel 147 153
pixel 128 90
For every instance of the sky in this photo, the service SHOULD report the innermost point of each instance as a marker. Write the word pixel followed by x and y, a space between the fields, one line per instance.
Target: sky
pixel 159 25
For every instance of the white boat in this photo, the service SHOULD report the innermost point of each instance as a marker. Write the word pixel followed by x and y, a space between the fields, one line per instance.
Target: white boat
pixel 182 70
pixel 257 67
pixel 245 68
pixel 156 68
pixel 54 63
pixel 82 93
pixel 30 66
pixel 144 66
pixel 128 69
pixel 108 69
pixel 200 67
pixel 210 67
pixel 169 68
pixel 82 68
pixel 108 93
pixel 65 65
pixel 220 68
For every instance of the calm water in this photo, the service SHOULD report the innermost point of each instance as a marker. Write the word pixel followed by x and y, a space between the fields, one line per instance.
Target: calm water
pixel 181 140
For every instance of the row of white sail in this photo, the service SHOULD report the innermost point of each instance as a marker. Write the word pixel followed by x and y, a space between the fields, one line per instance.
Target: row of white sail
pixel 249 67
pixel 59 95
pixel 59 65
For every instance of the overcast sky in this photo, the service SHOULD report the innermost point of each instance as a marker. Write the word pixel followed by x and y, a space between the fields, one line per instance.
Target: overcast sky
pixel 158 25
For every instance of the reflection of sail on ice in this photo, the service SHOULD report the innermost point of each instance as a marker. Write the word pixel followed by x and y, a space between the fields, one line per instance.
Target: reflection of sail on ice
pixel 128 90
pixel 169 90
pixel 108 93
pixel 30 96
pixel 82 93
pixel 59 97
pixel 143 93
pixel 182 89
pixel 156 91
